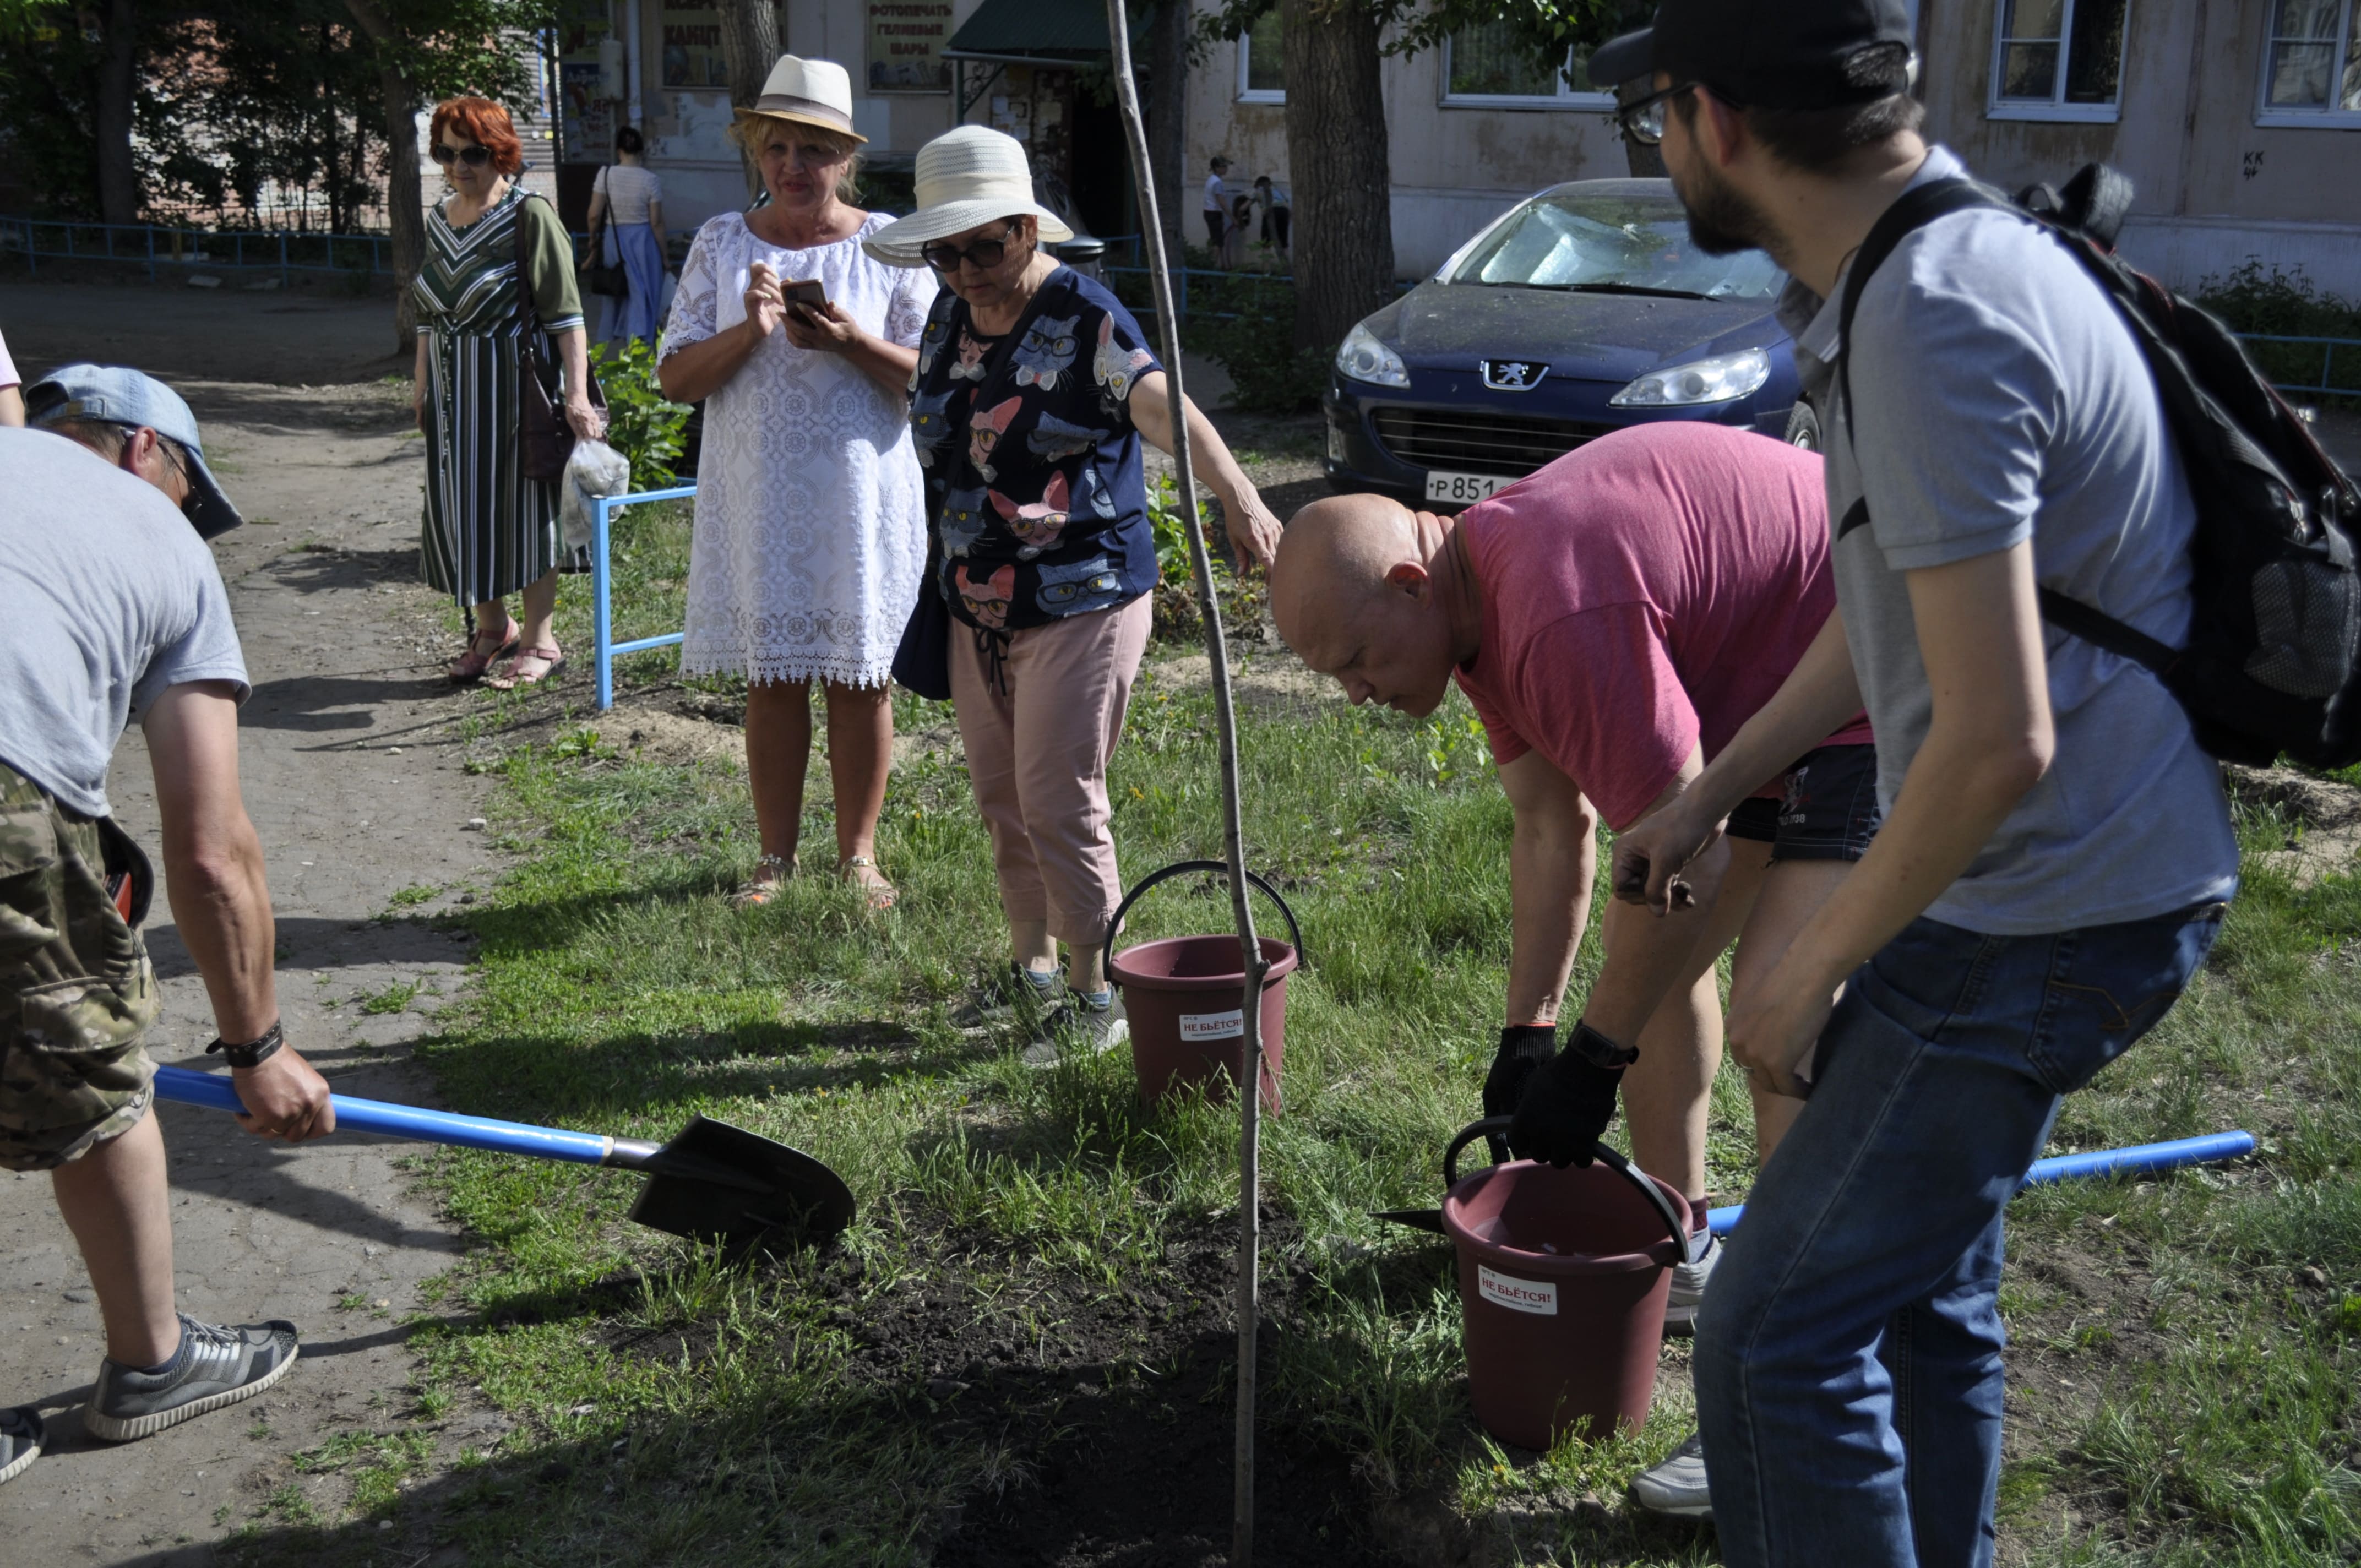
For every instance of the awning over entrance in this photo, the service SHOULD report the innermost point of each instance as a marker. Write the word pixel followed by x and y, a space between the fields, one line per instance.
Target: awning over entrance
pixel 1037 32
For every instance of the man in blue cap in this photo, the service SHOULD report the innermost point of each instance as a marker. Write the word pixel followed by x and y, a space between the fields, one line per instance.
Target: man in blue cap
pixel 2056 856
pixel 114 607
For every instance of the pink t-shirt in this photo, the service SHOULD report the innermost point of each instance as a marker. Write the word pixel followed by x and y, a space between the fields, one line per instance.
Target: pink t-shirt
pixel 1644 593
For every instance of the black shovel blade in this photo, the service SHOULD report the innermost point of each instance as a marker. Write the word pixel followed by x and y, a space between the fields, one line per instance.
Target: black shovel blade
pixel 720 1183
pixel 1416 1219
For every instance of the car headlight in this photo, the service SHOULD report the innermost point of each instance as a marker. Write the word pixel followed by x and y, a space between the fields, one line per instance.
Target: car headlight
pixel 1714 380
pixel 1361 357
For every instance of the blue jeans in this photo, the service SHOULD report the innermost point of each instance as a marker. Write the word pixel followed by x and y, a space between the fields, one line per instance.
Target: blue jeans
pixel 1848 1349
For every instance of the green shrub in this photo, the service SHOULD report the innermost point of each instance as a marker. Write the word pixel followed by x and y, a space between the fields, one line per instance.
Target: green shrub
pixel 642 422
pixel 2283 303
pixel 1244 322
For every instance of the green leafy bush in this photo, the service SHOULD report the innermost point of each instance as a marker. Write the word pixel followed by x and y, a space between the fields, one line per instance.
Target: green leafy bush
pixel 2284 303
pixel 642 422
pixel 1177 617
pixel 1244 322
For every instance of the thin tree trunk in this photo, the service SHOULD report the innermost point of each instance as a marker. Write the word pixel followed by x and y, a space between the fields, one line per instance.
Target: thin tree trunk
pixel 118 177
pixel 749 47
pixel 1336 153
pixel 1645 161
pixel 1167 111
pixel 405 214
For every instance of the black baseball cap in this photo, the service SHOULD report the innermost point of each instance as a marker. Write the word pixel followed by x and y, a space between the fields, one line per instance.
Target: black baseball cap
pixel 1767 54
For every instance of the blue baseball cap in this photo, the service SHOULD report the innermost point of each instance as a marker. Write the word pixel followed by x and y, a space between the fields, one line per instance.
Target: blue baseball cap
pixel 120 395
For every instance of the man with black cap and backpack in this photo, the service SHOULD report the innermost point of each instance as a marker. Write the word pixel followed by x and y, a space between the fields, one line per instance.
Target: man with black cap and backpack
pixel 114 607
pixel 2056 856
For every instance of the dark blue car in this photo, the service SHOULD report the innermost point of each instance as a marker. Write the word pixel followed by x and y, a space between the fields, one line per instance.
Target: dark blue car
pixel 1580 310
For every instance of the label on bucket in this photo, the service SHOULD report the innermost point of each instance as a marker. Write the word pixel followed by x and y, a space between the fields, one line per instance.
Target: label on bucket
pixel 1518 1295
pixel 1197 1027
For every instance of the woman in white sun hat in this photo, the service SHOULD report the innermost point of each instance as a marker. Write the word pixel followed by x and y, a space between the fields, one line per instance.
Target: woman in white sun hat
pixel 1034 390
pixel 810 523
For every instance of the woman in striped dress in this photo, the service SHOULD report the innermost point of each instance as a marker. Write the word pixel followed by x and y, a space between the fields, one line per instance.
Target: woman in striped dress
pixel 497 265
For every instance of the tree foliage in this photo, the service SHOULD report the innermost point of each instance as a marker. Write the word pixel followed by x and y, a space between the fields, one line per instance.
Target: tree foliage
pixel 1550 28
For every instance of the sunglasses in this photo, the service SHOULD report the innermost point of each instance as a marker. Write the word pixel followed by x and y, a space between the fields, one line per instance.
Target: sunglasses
pixel 1642 120
pixel 985 253
pixel 474 157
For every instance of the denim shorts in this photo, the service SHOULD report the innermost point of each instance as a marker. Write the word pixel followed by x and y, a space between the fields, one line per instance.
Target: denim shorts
pixel 1829 811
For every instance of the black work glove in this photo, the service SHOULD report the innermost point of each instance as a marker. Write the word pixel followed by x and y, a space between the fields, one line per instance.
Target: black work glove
pixel 1524 1048
pixel 1570 1100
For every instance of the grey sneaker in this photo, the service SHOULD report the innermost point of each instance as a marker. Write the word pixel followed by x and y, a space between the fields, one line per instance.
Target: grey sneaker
pixel 21 1436
pixel 999 999
pixel 1688 1290
pixel 1082 1027
pixel 1676 1487
pixel 216 1366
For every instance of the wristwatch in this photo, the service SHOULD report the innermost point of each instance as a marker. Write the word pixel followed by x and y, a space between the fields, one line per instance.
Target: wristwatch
pixel 1598 1049
pixel 253 1053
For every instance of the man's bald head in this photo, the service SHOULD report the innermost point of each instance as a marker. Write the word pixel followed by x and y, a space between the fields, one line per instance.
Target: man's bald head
pixel 1352 592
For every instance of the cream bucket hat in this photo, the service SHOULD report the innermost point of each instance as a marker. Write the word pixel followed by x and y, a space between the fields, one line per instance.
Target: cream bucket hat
pixel 966 178
pixel 809 92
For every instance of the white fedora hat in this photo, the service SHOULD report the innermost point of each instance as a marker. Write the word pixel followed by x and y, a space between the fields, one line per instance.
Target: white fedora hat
pixel 966 178
pixel 809 92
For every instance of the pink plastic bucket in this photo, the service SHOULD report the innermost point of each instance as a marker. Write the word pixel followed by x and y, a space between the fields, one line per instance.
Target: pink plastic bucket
pixel 1186 999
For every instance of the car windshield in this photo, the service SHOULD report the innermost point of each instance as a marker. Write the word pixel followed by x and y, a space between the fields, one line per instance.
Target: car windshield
pixel 1613 245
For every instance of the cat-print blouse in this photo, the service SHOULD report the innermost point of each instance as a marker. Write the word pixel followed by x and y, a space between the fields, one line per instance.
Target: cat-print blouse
pixel 1032 463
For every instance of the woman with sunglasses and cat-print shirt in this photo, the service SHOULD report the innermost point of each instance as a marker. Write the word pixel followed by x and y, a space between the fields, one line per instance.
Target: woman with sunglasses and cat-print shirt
pixel 1032 391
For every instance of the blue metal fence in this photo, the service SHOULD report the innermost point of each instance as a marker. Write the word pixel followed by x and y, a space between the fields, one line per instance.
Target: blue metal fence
pixel 283 251
pixel 602 615
pixel 2326 386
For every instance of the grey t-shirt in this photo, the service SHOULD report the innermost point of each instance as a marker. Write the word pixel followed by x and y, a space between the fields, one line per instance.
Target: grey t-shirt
pixel 2002 397
pixel 107 596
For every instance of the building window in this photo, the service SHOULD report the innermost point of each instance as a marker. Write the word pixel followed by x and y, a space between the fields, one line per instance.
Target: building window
pixel 1262 63
pixel 1487 67
pixel 2058 60
pixel 2312 66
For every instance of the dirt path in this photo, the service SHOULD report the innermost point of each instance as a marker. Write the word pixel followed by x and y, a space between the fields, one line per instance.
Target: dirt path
pixel 358 794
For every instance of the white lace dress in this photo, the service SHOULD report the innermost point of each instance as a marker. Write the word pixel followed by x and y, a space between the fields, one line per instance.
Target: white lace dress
pixel 811 531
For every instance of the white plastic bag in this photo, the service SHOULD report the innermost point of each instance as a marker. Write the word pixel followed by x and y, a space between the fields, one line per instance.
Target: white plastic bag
pixel 596 470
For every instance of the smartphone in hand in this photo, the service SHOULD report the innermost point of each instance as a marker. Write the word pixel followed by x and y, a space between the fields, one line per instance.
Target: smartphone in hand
pixel 811 293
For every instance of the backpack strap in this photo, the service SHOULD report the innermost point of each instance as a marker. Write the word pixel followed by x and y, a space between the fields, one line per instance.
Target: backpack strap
pixel 2103 630
pixel 1912 210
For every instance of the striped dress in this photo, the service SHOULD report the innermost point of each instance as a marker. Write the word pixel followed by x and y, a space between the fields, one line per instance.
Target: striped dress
pixel 489 530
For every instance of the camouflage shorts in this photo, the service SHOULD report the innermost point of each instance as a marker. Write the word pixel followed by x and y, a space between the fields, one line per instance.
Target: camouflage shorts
pixel 76 991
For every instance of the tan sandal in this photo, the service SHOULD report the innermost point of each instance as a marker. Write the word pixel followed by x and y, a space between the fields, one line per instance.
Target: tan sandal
pixel 758 890
pixel 882 894
pixel 469 667
pixel 530 668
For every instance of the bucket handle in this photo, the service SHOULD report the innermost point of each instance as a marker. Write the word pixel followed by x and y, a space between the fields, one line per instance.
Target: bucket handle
pixel 1494 1126
pixel 1181 868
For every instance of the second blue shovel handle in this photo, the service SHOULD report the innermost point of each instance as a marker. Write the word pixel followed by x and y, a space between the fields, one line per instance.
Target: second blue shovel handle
pixel 214 1091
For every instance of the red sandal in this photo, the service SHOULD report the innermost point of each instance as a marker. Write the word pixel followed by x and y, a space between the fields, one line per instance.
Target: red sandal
pixel 530 668
pixel 469 667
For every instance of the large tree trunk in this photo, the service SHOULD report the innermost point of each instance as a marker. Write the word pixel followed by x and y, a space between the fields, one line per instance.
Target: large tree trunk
pixel 1336 154
pixel 1167 111
pixel 405 203
pixel 1645 161
pixel 119 178
pixel 749 47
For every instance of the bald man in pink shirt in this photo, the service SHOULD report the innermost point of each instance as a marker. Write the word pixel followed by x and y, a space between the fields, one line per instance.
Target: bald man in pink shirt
pixel 1613 619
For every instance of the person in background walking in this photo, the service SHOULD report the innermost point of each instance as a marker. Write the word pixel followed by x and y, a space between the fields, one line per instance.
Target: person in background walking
pixel 630 198
pixel 810 511
pixel 12 397
pixel 1277 212
pixel 114 608
pixel 1034 390
pixel 497 266
pixel 1217 207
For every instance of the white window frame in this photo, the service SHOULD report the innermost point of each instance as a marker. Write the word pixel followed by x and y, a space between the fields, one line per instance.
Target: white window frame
pixel 2330 116
pixel 1564 98
pixel 1246 94
pixel 2055 109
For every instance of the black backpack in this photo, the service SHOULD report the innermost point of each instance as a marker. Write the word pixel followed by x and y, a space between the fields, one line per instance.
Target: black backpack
pixel 2273 654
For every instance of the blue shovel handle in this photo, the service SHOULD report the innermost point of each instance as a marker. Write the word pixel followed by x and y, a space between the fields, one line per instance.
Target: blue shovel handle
pixel 214 1091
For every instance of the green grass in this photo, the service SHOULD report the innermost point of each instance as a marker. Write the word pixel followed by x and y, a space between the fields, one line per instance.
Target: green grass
pixel 670 1410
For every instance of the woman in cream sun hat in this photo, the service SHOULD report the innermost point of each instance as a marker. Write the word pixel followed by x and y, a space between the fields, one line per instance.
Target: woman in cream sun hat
pixel 1034 390
pixel 810 532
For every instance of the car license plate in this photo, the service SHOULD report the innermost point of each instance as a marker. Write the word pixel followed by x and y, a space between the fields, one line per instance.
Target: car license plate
pixel 1462 487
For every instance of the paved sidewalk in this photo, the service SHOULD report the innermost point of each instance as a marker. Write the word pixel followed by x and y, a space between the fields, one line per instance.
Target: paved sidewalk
pixel 329 1235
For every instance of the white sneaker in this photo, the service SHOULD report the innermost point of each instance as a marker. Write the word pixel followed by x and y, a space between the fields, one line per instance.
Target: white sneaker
pixel 1676 1487
pixel 1688 1290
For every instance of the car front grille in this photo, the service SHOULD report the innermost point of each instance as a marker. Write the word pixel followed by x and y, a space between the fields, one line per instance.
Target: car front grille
pixel 1479 441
